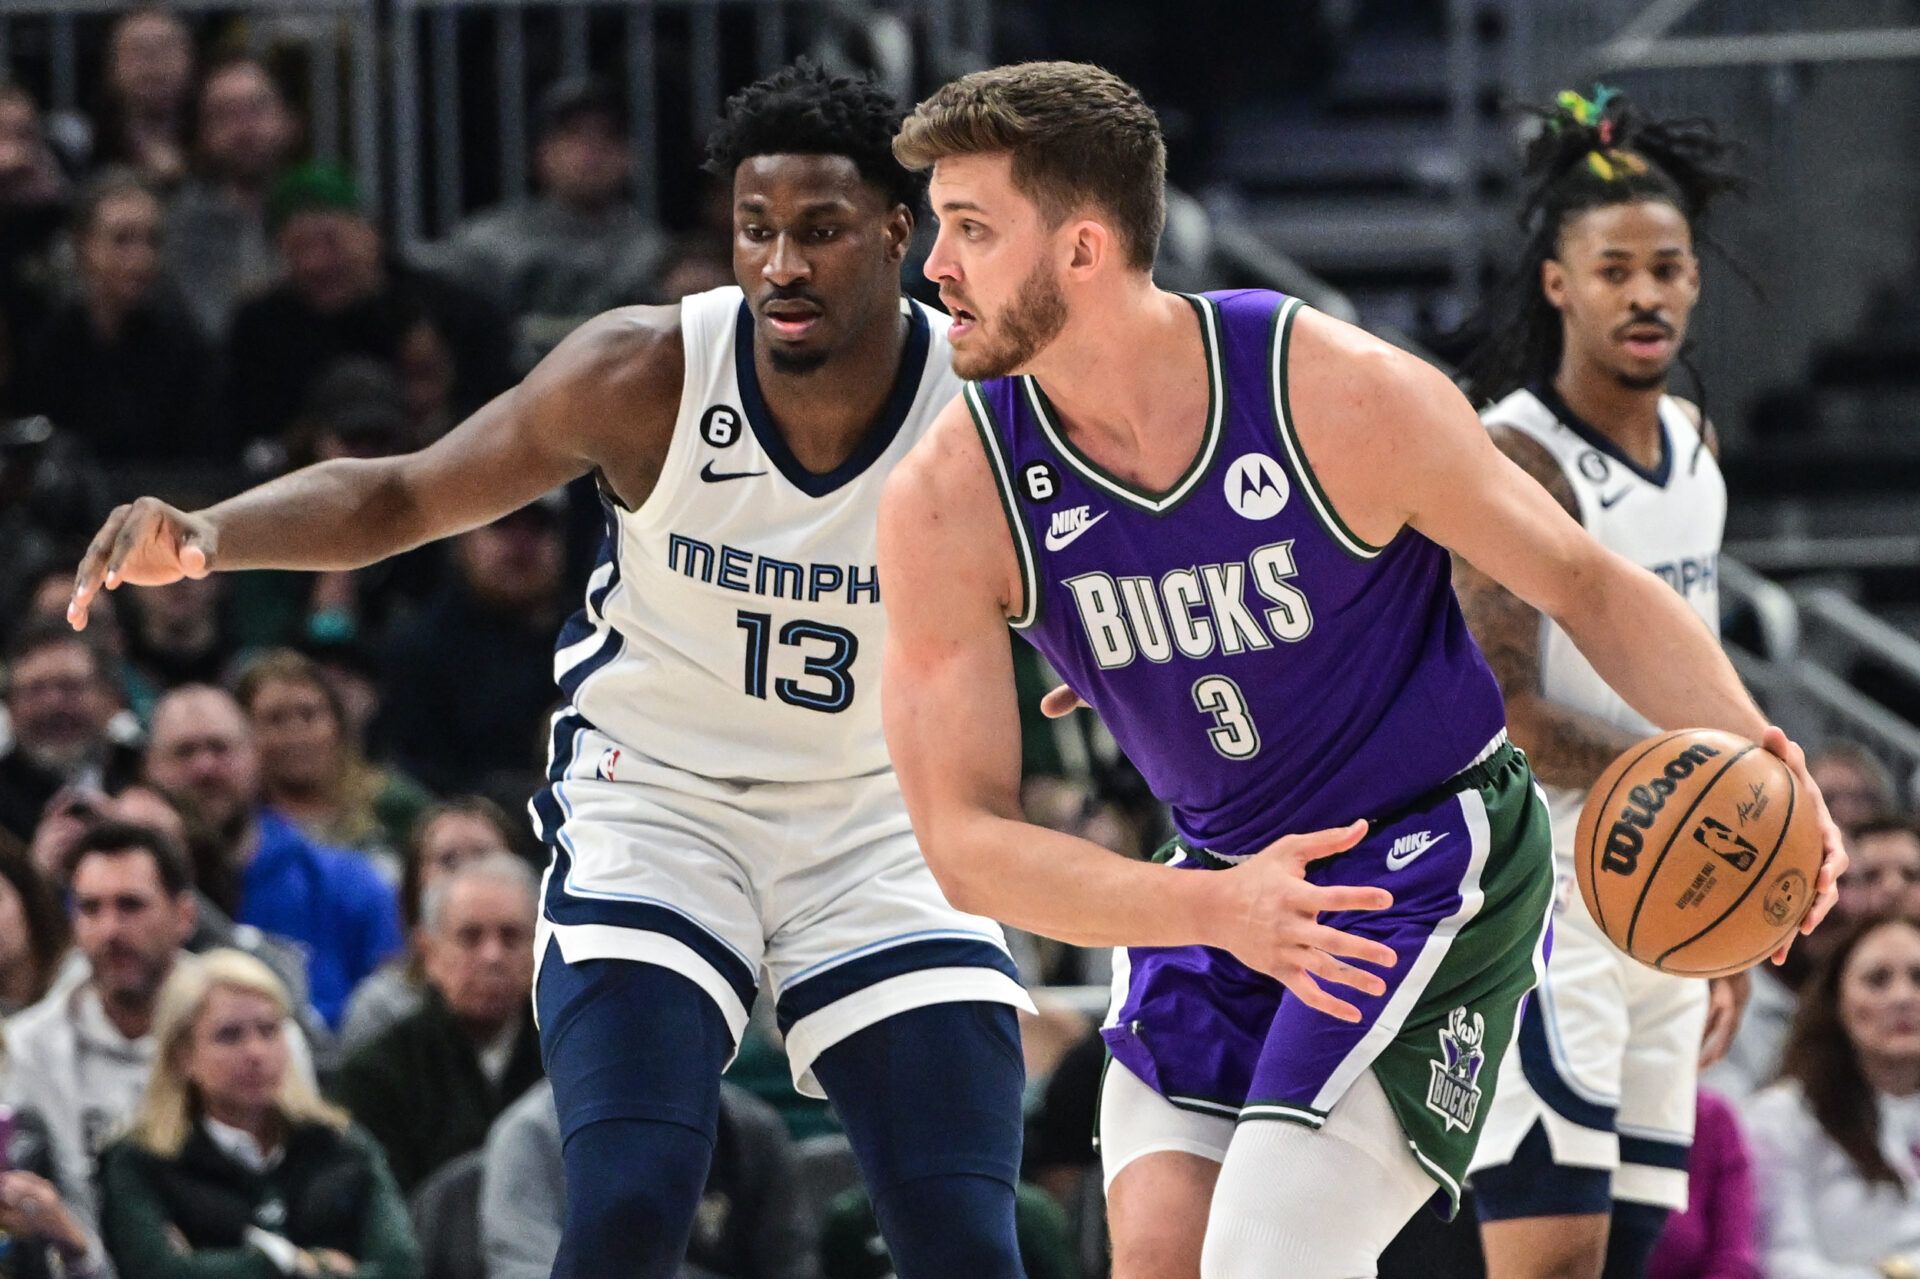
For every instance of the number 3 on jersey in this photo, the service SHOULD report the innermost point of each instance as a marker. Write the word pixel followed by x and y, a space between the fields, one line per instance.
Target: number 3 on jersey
pixel 1233 733
pixel 833 668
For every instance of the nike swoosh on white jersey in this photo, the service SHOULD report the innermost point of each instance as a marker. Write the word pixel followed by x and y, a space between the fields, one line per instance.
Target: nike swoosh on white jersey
pixel 1399 861
pixel 1056 541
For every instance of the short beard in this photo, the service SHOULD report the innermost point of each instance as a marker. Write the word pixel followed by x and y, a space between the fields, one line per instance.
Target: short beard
pixel 1651 382
pixel 1033 320
pixel 795 363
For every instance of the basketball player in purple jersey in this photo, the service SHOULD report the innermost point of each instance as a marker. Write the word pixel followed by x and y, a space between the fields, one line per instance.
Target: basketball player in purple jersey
pixel 1225 520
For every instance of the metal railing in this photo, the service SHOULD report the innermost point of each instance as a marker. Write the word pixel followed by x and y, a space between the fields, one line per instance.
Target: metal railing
pixel 335 46
pixel 388 84
pixel 1806 639
pixel 650 47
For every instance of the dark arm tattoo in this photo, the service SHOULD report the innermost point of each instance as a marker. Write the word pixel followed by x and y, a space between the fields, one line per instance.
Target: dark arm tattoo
pixel 1567 747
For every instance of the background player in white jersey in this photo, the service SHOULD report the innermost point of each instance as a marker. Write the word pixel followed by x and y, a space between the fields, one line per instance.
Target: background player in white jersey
pixel 719 799
pixel 1586 1146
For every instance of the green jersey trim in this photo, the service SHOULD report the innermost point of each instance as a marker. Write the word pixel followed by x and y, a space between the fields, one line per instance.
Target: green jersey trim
pixel 1330 519
pixel 1026 609
pixel 1132 494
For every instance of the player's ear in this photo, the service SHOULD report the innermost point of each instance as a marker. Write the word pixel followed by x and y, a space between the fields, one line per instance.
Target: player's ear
pixel 1553 283
pixel 898 230
pixel 1089 246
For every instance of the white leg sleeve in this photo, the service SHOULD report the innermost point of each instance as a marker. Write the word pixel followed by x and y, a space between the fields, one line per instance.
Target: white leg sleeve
pixel 1314 1205
pixel 1135 1120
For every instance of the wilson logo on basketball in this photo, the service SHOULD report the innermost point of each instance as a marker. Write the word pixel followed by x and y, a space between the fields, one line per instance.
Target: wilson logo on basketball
pixel 1624 840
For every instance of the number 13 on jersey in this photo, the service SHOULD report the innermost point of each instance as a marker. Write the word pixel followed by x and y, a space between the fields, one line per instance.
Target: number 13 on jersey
pixel 829 651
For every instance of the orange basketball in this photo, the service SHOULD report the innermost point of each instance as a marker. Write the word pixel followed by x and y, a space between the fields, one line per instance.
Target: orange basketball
pixel 1696 853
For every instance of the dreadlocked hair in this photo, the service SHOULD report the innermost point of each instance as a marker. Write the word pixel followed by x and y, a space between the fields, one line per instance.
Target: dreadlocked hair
pixel 1588 154
pixel 802 110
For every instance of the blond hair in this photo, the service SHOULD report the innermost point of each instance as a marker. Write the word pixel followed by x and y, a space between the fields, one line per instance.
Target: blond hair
pixel 1079 137
pixel 171 1105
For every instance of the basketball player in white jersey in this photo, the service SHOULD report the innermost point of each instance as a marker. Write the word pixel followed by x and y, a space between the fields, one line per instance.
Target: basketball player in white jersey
pixel 1586 1146
pixel 719 801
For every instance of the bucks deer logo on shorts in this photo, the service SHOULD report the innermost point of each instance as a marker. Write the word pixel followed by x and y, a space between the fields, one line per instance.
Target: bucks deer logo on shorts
pixel 1453 1093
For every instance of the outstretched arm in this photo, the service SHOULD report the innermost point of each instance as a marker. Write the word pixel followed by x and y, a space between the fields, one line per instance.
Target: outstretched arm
pixel 1398 445
pixel 1566 746
pixel 348 513
pixel 947 577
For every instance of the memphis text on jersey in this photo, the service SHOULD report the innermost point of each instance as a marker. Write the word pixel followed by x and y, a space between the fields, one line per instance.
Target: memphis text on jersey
pixel 753 574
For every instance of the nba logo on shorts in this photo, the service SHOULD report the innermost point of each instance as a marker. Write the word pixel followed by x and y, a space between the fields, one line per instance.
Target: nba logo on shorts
pixel 608 762
pixel 1453 1092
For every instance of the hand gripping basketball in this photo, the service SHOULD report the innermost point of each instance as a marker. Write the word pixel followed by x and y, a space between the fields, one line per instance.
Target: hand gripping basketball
pixel 145 543
pixel 1834 860
pixel 1272 922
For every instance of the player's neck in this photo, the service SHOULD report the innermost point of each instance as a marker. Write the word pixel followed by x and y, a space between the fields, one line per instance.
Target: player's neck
pixel 825 414
pixel 1628 416
pixel 1131 374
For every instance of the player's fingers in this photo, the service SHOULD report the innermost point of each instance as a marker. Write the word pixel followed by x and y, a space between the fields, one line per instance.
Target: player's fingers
pixel 1328 898
pixel 93 567
pixel 1334 942
pixel 1823 902
pixel 1061 701
pixel 193 558
pixel 1326 966
pixel 1308 991
pixel 132 530
pixel 1310 847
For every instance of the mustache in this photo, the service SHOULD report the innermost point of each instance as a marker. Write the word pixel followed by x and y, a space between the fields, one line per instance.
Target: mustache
pixel 790 293
pixel 1645 319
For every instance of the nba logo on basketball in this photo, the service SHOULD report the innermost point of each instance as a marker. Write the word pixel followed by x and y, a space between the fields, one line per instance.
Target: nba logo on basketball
pixel 1453 1092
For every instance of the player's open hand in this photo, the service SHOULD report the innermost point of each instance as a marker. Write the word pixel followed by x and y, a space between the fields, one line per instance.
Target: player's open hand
pixel 1833 864
pixel 145 543
pixel 1276 925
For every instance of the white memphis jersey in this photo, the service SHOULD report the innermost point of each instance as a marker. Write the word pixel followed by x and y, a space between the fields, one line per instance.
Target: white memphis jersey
pixel 1669 520
pixel 733 625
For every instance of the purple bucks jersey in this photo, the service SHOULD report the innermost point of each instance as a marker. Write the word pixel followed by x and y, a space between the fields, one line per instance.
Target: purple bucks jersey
pixel 1264 668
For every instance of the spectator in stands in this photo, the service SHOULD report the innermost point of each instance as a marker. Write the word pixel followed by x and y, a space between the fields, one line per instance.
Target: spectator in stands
pixel 313 773
pixel 1884 877
pixel 697 264
pixel 147 95
pixel 33 194
pixel 473 1037
pixel 45 1239
pixel 851 1246
pixel 1837 1141
pixel 218 249
pixel 490 628
pixel 343 295
pixel 357 408
pixel 213 929
pixel 276 879
pixel 81 1054
pixel 1862 786
pixel 175 634
pixel 1716 1237
pixel 750 1224
pixel 121 364
pixel 33 932
pixel 61 699
pixel 578 248
pixel 449 835
pixel 234 1166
